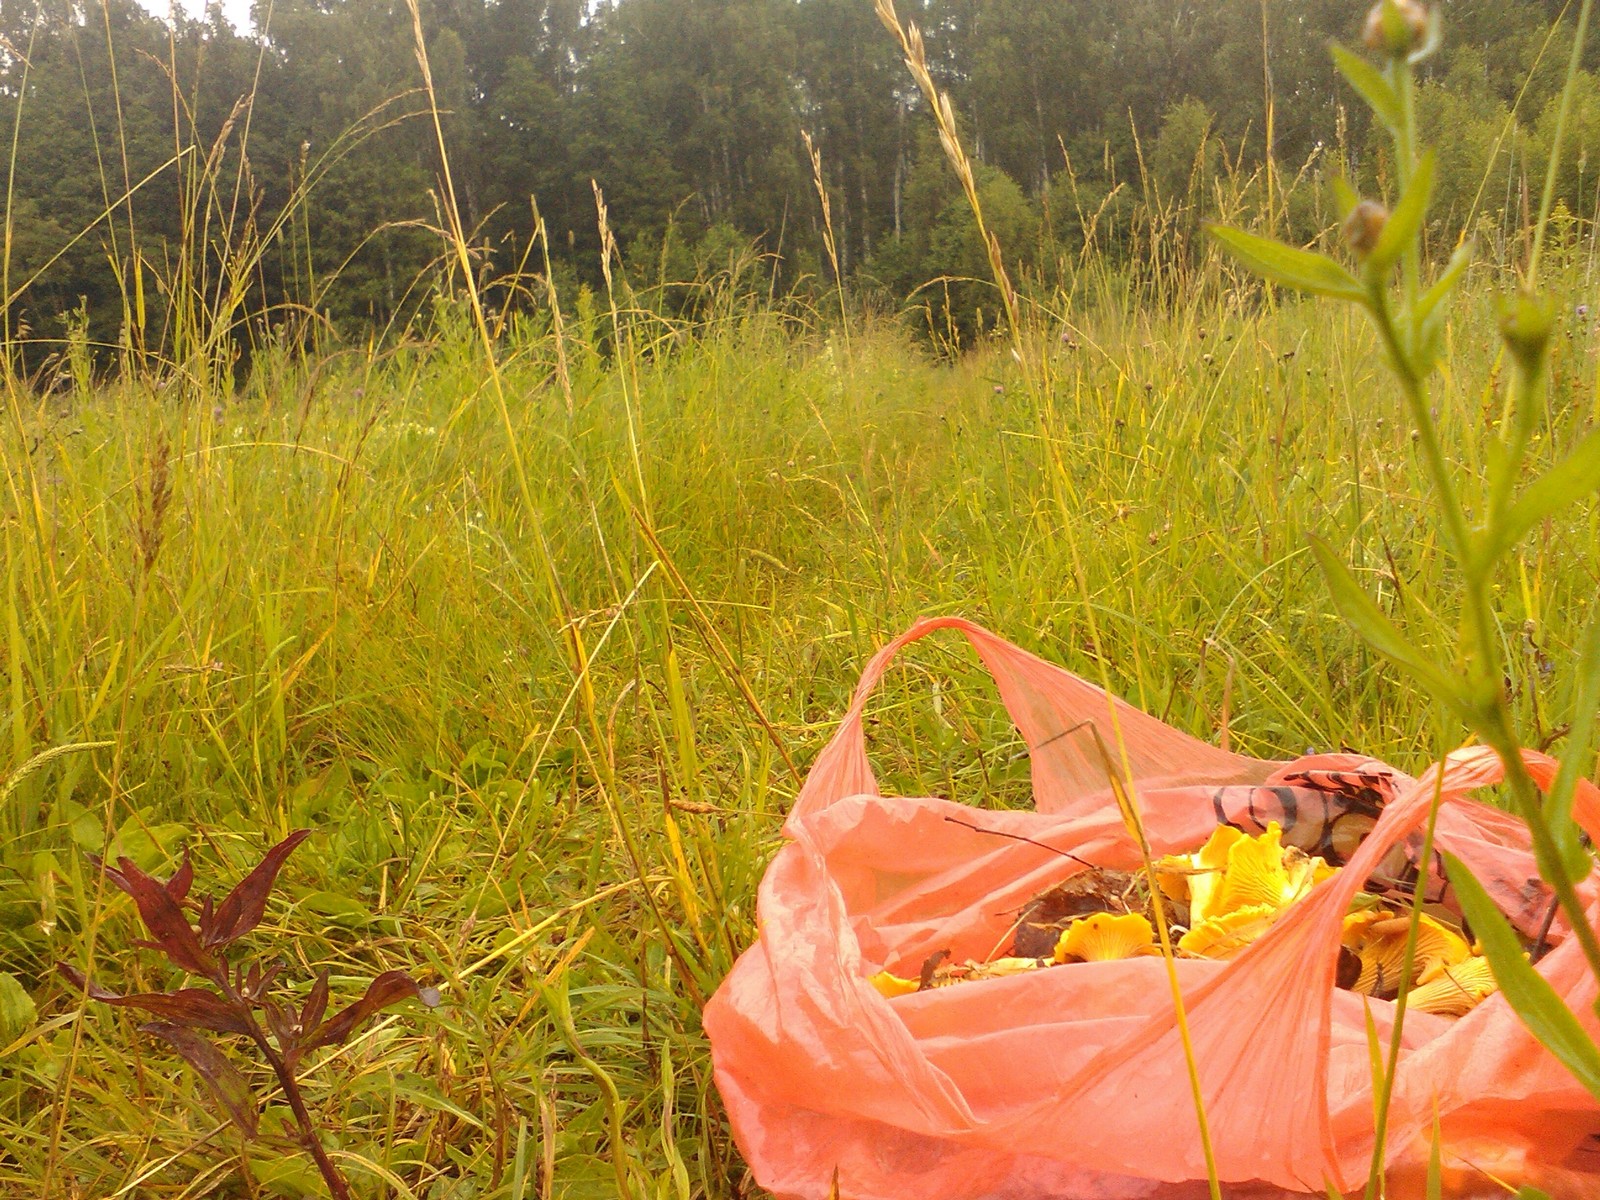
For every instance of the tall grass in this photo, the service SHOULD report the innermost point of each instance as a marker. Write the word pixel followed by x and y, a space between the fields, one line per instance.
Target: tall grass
pixel 534 619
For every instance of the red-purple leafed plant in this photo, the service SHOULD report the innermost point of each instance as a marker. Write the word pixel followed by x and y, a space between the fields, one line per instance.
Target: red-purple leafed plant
pixel 237 993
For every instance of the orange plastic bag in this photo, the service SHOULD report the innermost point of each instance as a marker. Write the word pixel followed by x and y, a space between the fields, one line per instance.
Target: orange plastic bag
pixel 1071 1082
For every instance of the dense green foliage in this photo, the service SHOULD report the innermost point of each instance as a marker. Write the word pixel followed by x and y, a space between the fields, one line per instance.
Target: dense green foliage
pixel 688 113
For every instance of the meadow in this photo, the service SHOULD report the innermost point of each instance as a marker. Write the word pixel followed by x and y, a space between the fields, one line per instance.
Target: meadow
pixel 543 678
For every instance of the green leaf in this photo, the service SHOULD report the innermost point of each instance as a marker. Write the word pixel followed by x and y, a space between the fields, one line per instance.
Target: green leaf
pixel 1369 84
pixel 1530 995
pixel 17 1013
pixel 1404 223
pixel 1299 269
pixel 1381 633
pixel 1565 483
pixel 1528 1192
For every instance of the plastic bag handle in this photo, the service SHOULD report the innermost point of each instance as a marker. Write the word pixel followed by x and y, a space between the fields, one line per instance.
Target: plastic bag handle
pixel 1053 710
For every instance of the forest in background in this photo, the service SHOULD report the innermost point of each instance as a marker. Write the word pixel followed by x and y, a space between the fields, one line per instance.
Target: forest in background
pixel 148 153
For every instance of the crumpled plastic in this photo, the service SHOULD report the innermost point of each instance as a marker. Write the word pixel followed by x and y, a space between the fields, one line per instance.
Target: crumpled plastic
pixel 1072 1082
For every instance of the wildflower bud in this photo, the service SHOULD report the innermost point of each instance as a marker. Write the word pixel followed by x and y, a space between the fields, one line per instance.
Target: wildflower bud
pixel 1396 27
pixel 1364 226
pixel 1527 322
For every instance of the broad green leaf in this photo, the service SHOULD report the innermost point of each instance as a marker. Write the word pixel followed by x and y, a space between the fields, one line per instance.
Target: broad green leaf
pixel 1369 84
pixel 1565 483
pixel 1585 706
pixel 1381 633
pixel 1530 995
pixel 1294 268
pixel 17 1013
pixel 1405 221
pixel 1445 284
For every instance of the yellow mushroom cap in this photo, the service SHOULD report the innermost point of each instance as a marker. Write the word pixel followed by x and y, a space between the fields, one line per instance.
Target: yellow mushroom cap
pixel 1224 936
pixel 1379 938
pixel 892 985
pixel 1234 871
pixel 1255 874
pixel 1103 937
pixel 1453 991
pixel 1172 875
pixel 1208 869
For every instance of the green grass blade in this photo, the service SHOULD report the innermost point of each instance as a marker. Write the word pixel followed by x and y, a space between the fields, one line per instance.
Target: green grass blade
pixel 1435 1184
pixel 1445 284
pixel 1585 706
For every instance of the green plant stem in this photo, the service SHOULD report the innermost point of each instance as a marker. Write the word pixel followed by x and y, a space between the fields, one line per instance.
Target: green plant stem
pixel 1486 707
pixel 561 1014
pixel 1419 897
pixel 1415 389
pixel 1405 166
pixel 1527 397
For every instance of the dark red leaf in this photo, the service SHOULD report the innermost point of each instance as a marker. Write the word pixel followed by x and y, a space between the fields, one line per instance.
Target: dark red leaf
pixel 220 1076
pixel 316 1006
pixel 177 887
pixel 244 907
pixel 183 877
pixel 84 984
pixel 111 873
pixel 282 1024
pixel 195 1008
pixel 164 919
pixel 254 982
pixel 389 988
pixel 269 973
